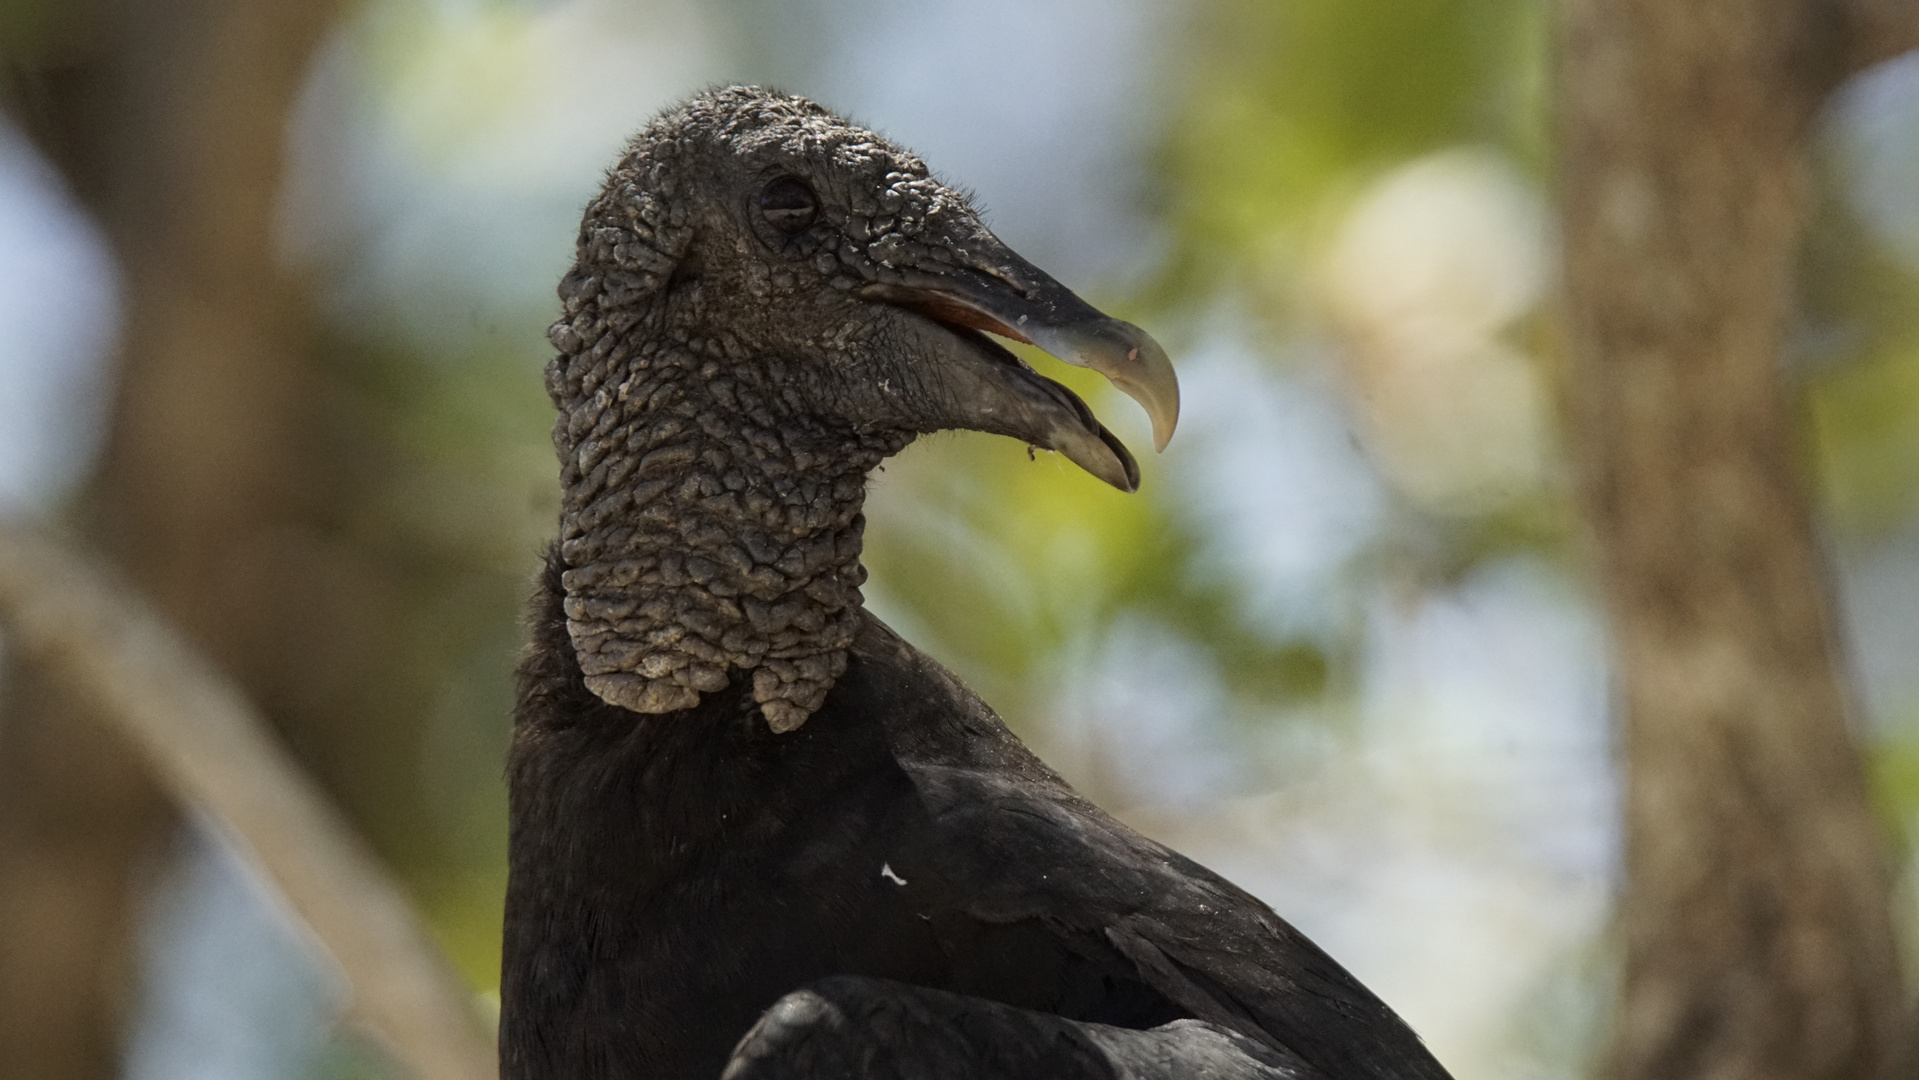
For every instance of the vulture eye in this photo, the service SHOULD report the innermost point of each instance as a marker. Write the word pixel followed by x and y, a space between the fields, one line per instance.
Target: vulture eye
pixel 788 204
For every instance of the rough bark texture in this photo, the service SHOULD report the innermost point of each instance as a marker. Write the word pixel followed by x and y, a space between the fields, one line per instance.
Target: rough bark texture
pixel 168 119
pixel 1757 931
pixel 75 823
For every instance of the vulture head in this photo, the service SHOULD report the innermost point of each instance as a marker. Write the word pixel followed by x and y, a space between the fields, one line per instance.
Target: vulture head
pixel 766 302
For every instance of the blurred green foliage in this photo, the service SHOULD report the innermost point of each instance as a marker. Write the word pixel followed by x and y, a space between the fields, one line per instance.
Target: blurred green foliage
pixel 1002 561
pixel 1282 110
pixel 458 498
pixel 1859 350
pixel 1858 353
pixel 1287 106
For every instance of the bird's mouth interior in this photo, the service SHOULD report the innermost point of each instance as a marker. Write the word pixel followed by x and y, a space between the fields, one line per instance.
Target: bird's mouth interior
pixel 1043 313
pixel 978 328
pixel 956 313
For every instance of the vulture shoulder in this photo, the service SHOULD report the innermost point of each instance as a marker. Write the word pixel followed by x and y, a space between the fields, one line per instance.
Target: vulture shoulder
pixel 1015 844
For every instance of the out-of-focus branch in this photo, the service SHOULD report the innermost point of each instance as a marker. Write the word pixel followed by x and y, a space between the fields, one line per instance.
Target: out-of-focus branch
pixel 212 750
pixel 217 488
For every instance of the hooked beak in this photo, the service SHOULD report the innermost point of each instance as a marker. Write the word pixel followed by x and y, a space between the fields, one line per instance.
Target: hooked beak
pixel 1015 300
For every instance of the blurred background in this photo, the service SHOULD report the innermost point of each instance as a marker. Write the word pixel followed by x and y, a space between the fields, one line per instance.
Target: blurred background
pixel 1344 645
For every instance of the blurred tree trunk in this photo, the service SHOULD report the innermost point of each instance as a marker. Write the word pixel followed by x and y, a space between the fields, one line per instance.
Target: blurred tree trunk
pixel 168 120
pixel 1756 913
pixel 78 819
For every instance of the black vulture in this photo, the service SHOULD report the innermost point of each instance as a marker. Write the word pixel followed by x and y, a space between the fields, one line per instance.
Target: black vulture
pixel 753 832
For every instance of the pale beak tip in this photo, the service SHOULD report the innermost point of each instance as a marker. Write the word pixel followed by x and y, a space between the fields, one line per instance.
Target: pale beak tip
pixel 1165 417
pixel 1129 358
pixel 1151 382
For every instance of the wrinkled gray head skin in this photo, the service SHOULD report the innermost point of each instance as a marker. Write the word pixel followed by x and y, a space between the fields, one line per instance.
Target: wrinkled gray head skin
pixel 768 301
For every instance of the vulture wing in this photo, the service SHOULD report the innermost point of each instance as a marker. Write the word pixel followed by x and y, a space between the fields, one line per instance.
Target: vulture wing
pixel 872 1029
pixel 1010 844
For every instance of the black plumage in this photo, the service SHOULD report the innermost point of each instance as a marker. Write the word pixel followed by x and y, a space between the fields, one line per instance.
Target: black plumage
pixel 733 790
pixel 849 1026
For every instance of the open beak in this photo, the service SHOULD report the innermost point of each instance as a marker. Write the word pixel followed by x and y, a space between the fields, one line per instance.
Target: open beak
pixel 1024 304
pixel 1014 300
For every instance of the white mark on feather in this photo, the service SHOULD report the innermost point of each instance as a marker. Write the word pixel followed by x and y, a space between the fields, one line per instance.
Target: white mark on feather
pixel 886 871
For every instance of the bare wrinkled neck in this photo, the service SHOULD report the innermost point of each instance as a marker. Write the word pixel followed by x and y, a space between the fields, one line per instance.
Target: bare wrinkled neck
pixel 708 531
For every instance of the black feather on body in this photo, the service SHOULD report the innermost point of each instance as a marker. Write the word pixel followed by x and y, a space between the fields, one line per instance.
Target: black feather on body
pixel 873 1029
pixel 675 875
pixel 739 803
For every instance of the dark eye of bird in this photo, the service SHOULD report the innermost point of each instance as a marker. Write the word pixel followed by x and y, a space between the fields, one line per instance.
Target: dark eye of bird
pixel 788 204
